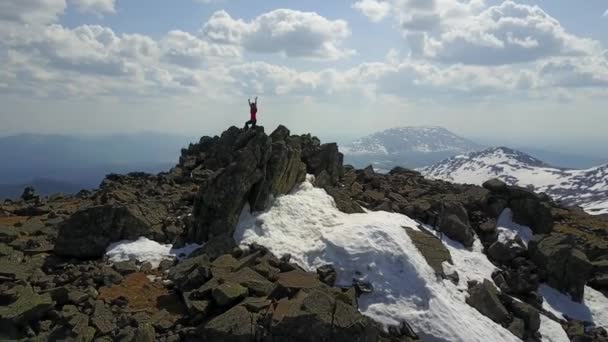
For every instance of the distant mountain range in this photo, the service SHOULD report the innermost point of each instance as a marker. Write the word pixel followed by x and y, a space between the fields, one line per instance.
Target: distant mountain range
pixel 45 187
pixel 586 188
pixel 406 146
pixel 59 163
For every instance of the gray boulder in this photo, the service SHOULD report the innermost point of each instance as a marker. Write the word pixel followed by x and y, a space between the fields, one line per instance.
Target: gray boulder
pixel 24 306
pixel 318 316
pixel 228 293
pixel 454 222
pixel 221 199
pixel 484 298
pixel 504 252
pixel 235 325
pixel 531 212
pixel 566 267
pixel 89 232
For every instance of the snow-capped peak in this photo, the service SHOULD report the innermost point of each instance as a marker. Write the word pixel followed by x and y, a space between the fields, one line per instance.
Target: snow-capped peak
pixel 586 188
pixel 426 139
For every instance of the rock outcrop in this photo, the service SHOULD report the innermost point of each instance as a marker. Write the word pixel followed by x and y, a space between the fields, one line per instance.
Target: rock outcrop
pixel 248 167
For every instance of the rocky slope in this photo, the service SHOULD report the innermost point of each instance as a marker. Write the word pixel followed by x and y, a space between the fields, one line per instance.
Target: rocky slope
pixel 406 146
pixel 585 188
pixel 56 284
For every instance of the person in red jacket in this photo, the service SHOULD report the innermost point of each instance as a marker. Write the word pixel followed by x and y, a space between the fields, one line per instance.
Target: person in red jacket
pixel 253 110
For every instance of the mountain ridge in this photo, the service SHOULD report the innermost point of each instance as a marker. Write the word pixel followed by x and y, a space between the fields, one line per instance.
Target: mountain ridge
pixel 587 188
pixel 409 146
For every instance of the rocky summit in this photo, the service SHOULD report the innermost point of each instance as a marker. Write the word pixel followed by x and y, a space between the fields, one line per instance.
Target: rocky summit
pixel 57 284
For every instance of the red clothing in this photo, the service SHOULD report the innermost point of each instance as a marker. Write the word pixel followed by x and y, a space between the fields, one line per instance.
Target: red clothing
pixel 254 112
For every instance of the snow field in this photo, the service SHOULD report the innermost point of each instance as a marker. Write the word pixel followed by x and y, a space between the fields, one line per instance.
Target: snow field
pixel 374 247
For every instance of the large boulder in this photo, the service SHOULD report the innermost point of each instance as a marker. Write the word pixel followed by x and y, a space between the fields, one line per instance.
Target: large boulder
pixel 221 199
pixel 88 232
pixel 318 316
pixel 235 325
pixel 319 158
pixel 529 209
pixel 484 298
pixel 566 267
pixel 454 222
pixel 24 306
pixel 531 212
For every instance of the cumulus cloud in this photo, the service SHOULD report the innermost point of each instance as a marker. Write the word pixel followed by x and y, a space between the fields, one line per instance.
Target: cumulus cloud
pixel 461 48
pixel 95 6
pixel 504 34
pixel 477 33
pixel 575 72
pixel 187 50
pixel 375 10
pixel 31 11
pixel 289 32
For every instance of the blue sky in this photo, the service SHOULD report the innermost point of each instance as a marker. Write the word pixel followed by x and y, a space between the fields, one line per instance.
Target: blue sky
pixel 514 72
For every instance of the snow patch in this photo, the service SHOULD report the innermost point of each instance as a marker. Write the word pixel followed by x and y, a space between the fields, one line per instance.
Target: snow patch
pixel 470 264
pixel 146 250
pixel 552 331
pixel 374 247
pixel 593 309
pixel 509 230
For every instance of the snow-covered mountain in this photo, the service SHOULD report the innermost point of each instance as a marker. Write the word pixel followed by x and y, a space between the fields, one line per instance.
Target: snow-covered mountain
pixel 406 146
pixel 586 188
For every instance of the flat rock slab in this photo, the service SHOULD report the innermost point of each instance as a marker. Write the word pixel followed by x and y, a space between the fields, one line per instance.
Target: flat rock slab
pixel 298 280
pixel 433 250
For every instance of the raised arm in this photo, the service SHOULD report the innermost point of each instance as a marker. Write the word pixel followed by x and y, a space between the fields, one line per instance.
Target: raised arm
pixel 249 101
pixel 256 100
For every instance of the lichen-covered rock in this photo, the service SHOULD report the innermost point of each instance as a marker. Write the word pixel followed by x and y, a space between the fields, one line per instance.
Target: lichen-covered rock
pixel 235 325
pixel 228 293
pixel 432 249
pixel 25 307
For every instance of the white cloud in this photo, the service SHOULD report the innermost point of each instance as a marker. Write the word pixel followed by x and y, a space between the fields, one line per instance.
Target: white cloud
pixel 289 32
pixel 375 10
pixel 95 6
pixel 504 34
pixel 575 72
pixel 90 59
pixel 605 14
pixel 31 11
pixel 477 33
pixel 187 50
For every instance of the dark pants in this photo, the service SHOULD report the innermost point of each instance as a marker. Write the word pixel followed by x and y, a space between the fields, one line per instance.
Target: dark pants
pixel 250 122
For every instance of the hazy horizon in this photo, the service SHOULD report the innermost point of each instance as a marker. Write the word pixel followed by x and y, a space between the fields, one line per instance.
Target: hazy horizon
pixel 517 73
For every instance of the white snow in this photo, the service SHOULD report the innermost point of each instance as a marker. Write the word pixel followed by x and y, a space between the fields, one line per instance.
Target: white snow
pixel 146 250
pixel 374 247
pixel 593 309
pixel 470 264
pixel 509 230
pixel 552 331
